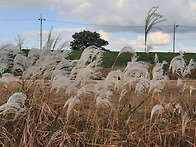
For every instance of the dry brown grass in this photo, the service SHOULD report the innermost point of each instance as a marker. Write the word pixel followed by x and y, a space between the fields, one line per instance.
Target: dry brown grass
pixel 124 124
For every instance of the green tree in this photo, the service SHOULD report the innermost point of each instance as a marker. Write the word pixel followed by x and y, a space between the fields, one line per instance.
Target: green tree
pixel 85 39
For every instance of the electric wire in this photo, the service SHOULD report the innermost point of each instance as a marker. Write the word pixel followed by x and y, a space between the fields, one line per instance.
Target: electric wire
pixel 98 25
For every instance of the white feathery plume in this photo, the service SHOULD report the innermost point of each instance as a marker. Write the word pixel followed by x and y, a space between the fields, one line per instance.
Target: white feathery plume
pixel 48 65
pixel 177 64
pixel 27 74
pixel 58 55
pixel 101 91
pixel 139 88
pixel 113 79
pixel 191 89
pixel 101 101
pixel 59 82
pixel 43 66
pixel 34 53
pixel 135 71
pixel 51 63
pixel 149 48
pixel 179 82
pixel 97 57
pixel 19 63
pixel 42 84
pixel 99 88
pixel 159 79
pixel 65 53
pixel 142 85
pixel 156 59
pixel 4 60
pixel 55 136
pixel 7 51
pixel 15 104
pixel 183 87
pixel 32 57
pixel 86 74
pixel 189 67
pixel 158 84
pixel 52 43
pixel 173 106
pixel 3 67
pixel 72 89
pixel 157 109
pixel 122 94
pixel 158 69
pixel 156 90
pixel 127 49
pixel 6 79
pixel 64 67
pixel 71 103
pixel 134 58
pixel 137 66
pixel 89 55
pixel 168 106
pixel 185 120
pixel 88 88
pixel 177 107
pixel 107 93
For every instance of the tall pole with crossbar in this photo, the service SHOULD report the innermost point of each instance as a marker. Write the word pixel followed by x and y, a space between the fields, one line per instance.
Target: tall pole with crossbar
pixel 174 37
pixel 41 19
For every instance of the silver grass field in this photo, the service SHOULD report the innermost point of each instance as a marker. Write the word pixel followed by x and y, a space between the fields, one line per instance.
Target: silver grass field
pixel 55 101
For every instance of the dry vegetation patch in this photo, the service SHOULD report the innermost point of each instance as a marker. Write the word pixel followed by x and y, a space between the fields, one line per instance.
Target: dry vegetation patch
pixel 126 123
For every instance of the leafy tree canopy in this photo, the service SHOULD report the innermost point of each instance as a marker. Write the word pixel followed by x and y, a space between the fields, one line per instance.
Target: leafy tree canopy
pixel 85 39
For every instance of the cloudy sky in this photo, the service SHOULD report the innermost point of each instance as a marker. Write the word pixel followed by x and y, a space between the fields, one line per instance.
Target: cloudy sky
pixel 121 22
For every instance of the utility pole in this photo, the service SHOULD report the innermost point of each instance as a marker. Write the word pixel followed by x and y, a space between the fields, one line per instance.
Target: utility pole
pixel 174 37
pixel 41 19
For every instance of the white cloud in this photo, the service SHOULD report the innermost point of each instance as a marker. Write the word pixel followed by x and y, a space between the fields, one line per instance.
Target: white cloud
pixel 115 12
pixel 55 32
pixel 138 43
pixel 65 34
pixel 104 35
pixel 158 38
pixel 82 8
pixel 118 44
pixel 153 38
pixel 24 3
pixel 120 3
pixel 184 48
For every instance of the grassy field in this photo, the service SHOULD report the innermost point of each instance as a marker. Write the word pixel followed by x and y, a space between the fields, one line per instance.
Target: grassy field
pixel 127 123
pixel 110 56
pixel 138 106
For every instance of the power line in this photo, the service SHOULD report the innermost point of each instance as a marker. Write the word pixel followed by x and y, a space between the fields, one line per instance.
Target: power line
pixel 194 27
pixel 121 26
pixel 100 25
pixel 18 19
